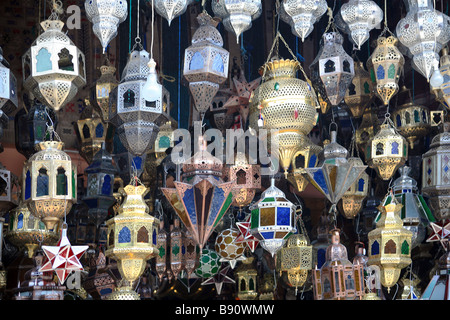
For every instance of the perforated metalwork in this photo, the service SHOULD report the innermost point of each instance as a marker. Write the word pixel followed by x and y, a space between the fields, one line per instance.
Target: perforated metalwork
pixel 170 9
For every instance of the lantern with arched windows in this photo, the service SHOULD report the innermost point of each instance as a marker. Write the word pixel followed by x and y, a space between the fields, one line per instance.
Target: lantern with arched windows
pixel 353 198
pixel 246 280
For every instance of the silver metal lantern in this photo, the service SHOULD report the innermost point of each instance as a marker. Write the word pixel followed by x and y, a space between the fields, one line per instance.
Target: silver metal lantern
pixel 170 9
pixel 9 101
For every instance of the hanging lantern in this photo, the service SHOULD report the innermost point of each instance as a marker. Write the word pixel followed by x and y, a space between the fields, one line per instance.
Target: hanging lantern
pixel 373 283
pixel 247 280
pixel 209 264
pixel 442 92
pixel 438 287
pixel 410 282
pixel 202 198
pixel 178 249
pixel 53 68
pixel 106 15
pixel 386 151
pixel 301 15
pixel 332 70
pixel 162 258
pixel 353 198
pixel 31 127
pixel 49 183
pixel 132 237
pixel 99 283
pixel 307 157
pixel 338 279
pixel 128 164
pixel 424 32
pixel 367 129
pixel 9 190
pixel 360 92
pixel 321 243
pixel 237 16
pixel 367 216
pixel 169 10
pixel 205 62
pixel 436 174
pixel 9 101
pixel 385 66
pixel 273 219
pixel 100 93
pixel 390 244
pixel 360 255
pixel 137 120
pixel 220 117
pixel 228 248
pixel 359 17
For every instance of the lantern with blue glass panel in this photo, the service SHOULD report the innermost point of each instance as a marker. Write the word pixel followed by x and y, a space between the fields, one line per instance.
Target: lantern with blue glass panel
pixel 273 219
pixel 9 100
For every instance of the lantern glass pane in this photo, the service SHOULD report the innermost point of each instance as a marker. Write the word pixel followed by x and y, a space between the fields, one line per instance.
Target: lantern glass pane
pixel 267 217
pixel 283 216
pixel 267 235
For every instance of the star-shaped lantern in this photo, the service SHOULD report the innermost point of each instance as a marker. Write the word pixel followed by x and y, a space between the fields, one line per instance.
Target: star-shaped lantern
pixel 219 279
pixel 245 234
pixel 441 232
pixel 63 258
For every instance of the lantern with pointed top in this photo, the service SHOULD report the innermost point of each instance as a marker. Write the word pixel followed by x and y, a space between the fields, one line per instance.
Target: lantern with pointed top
pixel 171 9
pixel 353 198
pixel 101 92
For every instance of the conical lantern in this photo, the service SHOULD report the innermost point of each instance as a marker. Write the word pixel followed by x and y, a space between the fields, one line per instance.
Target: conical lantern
pixel 360 92
pixel 205 62
pixel 106 15
pixel 237 15
pixel 353 198
pixel 390 244
pixel 101 92
pixel 9 101
pixel 332 70
pixel 385 66
pixel 169 10
pixel 424 32
pixel 53 68
pixel 442 92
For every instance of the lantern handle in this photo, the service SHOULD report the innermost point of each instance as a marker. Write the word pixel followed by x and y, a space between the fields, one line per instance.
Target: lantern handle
pixel 386 28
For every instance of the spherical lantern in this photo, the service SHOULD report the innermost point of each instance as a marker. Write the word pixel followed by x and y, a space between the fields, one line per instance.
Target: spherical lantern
pixel 436 174
pixel 205 62
pixel 360 92
pixel 273 219
pixel 442 92
pixel 106 15
pixel 385 66
pixel 9 101
pixel 169 10
pixel 332 70
pixel 49 183
pixel 209 264
pixel 338 279
pixel 246 280
pixel 360 17
pixel 301 15
pixel 101 92
pixel 132 236
pixel 237 16
pixel 53 68
pixel 424 31
pixel 228 248
pixel 386 151
pixel 353 198
pixel 390 244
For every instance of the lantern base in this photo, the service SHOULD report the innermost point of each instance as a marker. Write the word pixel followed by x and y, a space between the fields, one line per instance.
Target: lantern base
pixel 123 293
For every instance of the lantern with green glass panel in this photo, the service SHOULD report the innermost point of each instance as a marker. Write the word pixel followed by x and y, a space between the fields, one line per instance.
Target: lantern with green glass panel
pixel 273 219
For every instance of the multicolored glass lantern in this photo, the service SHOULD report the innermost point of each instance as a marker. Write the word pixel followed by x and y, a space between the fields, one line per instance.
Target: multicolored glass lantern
pixel 338 279
pixel 301 15
pixel 9 101
pixel 169 10
pixel 424 31
pixel 273 219
pixel 237 16
pixel 442 92
pixel 386 151
pixel 247 280
pixel 228 248
pixel 436 174
pixel 178 249
pixel 49 183
pixel 53 68
pixel 209 264
pixel 205 62
pixel 106 15
pixel 360 92
pixel 385 66
pixel 332 70
pixel 162 258
pixel 390 244
pixel 132 236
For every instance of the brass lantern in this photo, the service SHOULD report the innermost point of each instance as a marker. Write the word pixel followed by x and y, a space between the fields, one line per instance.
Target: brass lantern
pixel 353 198
pixel 367 129
pixel 442 93
pixel 205 62
pixel 338 279
pixel 247 280
pixel 385 66
pixel 436 174
pixel 387 151
pixel 390 244
pixel 132 237
pixel 49 183
pixel 332 70
pixel 9 101
pixel 360 92
pixel 100 93
pixel 53 68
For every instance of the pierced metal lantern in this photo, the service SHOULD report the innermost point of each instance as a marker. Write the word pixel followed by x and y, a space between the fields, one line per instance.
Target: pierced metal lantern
pixel 170 9
pixel 353 198
pixel 237 15
pixel 424 31
pixel 9 188
pixel 205 62
pixel 247 280
pixel 101 92
pixel 387 151
pixel 436 174
pixel 390 244
pixel 99 283
pixel 385 66
pixel 332 70
pixel 359 18
pixel 301 15
pixel 228 248
pixel 367 129
pixel 272 219
pixel 162 258
pixel 220 118
pixel 360 92
pixel 179 249
pixel 9 101
pixel 442 93
pixel 338 279
pixel 106 15
pixel 132 236
pixel 49 183
pixel 137 120
pixel 53 68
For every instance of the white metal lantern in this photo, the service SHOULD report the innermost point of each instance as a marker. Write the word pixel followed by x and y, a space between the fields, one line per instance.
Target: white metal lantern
pixel 106 15
pixel 53 68
pixel 9 101
pixel 170 9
